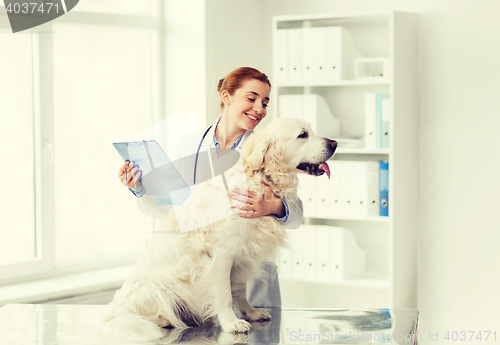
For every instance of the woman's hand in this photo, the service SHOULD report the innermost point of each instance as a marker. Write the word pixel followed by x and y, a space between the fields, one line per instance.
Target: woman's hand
pixel 133 174
pixel 266 205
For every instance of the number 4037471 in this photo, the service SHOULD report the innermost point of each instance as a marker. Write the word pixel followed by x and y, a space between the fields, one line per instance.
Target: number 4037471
pixel 32 7
pixel 470 335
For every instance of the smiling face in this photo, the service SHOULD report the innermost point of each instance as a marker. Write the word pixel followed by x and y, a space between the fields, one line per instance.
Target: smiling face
pixel 247 106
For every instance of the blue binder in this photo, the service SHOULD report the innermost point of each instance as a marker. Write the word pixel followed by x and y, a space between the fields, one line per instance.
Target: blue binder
pixel 384 188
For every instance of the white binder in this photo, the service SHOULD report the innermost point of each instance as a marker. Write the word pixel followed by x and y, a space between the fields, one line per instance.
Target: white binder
pixel 351 192
pixel 280 53
pixel 325 198
pixel 324 254
pixel 308 54
pixel 336 254
pixel 361 189
pixel 370 121
pixel 335 192
pixel 314 46
pixel 334 53
pixel 337 188
pixel 341 53
pixel 366 192
pixel 320 66
pixel 386 111
pixel 308 193
pixel 348 259
pixel 323 238
pixel 309 248
pixel 298 267
pixel 348 204
pixel 294 55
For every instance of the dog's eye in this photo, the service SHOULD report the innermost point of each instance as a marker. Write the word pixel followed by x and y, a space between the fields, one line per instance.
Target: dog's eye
pixel 302 135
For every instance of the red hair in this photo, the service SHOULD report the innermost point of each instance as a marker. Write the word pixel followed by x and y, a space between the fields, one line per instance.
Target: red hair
pixel 234 80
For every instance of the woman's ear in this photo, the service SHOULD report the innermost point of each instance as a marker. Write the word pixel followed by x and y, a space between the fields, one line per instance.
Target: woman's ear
pixel 225 97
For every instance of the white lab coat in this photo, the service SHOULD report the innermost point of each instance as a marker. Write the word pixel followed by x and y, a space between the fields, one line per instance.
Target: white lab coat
pixel 261 292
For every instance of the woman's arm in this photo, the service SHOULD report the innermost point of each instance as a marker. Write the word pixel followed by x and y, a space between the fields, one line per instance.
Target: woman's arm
pixel 295 213
pixel 148 207
pixel 270 204
pixel 130 179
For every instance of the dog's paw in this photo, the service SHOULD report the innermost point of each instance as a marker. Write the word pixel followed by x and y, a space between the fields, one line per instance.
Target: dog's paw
pixel 233 338
pixel 160 321
pixel 260 324
pixel 237 326
pixel 258 314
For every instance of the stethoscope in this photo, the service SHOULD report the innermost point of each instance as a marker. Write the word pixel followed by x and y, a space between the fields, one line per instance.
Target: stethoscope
pixel 197 152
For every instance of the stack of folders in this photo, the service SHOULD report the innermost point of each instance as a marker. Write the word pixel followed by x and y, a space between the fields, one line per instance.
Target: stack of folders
pixel 356 189
pixel 313 109
pixel 377 120
pixel 323 254
pixel 316 54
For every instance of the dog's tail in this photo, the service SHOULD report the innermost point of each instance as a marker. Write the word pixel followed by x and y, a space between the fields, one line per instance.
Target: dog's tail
pixel 121 324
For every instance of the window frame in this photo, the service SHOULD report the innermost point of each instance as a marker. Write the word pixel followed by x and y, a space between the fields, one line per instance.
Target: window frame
pixel 43 265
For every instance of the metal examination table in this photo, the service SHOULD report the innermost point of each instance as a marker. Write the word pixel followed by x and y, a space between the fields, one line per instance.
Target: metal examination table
pixel 63 324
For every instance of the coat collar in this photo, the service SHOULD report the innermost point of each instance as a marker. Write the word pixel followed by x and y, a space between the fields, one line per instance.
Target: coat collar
pixel 209 139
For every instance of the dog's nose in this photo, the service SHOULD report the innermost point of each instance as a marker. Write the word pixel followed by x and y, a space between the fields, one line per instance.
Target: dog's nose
pixel 333 144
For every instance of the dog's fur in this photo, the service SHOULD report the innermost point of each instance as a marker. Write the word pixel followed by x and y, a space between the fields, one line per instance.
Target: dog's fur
pixel 186 279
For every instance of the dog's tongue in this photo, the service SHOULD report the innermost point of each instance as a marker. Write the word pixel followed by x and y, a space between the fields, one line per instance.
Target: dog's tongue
pixel 326 168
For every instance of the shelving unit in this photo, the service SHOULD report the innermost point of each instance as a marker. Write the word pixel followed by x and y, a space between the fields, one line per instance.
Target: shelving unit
pixel 379 284
pixel 390 242
pixel 361 151
pixel 338 83
pixel 361 219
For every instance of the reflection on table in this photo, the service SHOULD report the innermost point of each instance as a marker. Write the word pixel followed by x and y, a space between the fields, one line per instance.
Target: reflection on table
pixel 44 324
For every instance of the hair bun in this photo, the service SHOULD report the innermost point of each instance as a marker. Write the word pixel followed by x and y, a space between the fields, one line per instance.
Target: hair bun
pixel 219 86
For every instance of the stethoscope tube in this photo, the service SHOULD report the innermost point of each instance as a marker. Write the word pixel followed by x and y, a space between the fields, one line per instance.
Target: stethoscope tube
pixel 197 152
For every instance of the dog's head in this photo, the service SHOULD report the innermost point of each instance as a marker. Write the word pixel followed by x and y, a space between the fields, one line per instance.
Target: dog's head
pixel 287 146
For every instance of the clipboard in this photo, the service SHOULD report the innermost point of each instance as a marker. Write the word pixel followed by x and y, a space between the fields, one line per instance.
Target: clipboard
pixel 159 177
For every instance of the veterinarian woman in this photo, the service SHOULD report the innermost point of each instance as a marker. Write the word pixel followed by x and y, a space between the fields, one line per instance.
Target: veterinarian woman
pixel 244 95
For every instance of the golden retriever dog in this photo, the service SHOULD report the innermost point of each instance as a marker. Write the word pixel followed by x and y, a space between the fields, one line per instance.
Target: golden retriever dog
pixel 188 279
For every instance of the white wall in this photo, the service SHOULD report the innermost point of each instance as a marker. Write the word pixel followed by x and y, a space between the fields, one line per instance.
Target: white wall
pixel 459 260
pixel 185 62
pixel 237 36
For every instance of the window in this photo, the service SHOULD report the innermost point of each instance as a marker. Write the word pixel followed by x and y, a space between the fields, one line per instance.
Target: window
pixel 17 207
pixel 68 90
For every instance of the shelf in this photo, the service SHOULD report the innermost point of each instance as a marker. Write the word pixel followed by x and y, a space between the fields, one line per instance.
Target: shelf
pixel 382 284
pixel 354 17
pixel 362 151
pixel 338 83
pixel 365 219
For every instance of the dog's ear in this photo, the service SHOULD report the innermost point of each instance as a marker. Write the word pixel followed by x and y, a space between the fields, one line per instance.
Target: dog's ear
pixel 255 150
pixel 274 161
pixel 263 152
